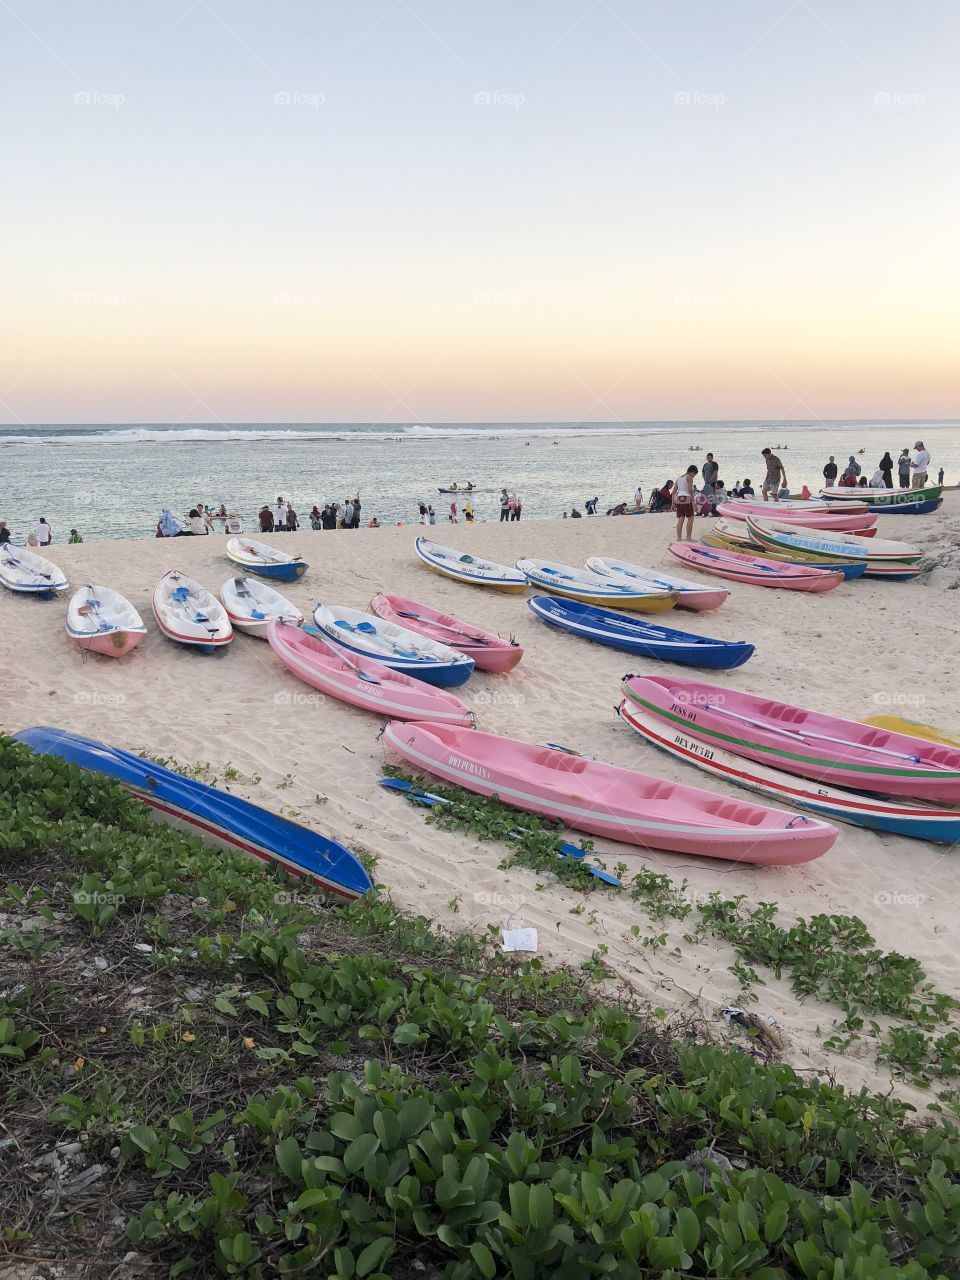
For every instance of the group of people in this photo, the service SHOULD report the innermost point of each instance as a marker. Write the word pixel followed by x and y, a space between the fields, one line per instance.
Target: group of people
pixel 912 472
pixel 333 515
pixel 511 508
pixel 41 536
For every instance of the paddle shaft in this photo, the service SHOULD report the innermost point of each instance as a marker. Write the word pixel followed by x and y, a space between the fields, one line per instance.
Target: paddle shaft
pixel 405 613
pixel 820 737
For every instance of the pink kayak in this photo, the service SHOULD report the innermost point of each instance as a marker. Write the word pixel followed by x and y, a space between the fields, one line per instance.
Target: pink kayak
pixel 620 804
pixel 825 748
pixel 825 518
pixel 489 652
pixel 739 567
pixel 361 681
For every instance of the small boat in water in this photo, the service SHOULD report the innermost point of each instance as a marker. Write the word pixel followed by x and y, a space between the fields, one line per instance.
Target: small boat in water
pixel 595 588
pixel 361 681
pixel 103 621
pixel 265 561
pixel 215 816
pixel 461 566
pixel 190 614
pixel 690 595
pixel 489 652
pixel 251 605
pixel 368 636
pixel 606 800
pixel 822 747
pixel 633 634
pixel 28 574
pixel 755 570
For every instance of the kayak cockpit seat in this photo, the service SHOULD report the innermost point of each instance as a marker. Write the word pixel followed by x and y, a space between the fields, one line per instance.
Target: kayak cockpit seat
pixel 560 762
pixel 784 714
pixel 734 811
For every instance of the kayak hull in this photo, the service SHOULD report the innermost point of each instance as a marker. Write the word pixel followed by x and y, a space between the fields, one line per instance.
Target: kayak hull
pixel 724 542
pixel 821 747
pixel 198 620
pixel 605 800
pixel 265 561
pixel 690 595
pixel 903 818
pixel 592 588
pixel 738 567
pixel 366 636
pixel 489 652
pixel 215 816
pixel 385 692
pixel 826 518
pixel 462 567
pixel 633 635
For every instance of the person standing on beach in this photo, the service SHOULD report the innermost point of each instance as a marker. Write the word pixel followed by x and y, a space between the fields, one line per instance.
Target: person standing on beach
pixel 293 524
pixel 516 507
pixel 280 516
pixel 709 475
pixel 44 532
pixel 903 469
pixel 452 517
pixel 504 505
pixel 939 481
pixel 356 513
pixel 683 491
pixel 886 467
pixel 431 515
pixel 776 477
pixel 347 520
pixel 265 516
pixel 830 471
pixel 919 465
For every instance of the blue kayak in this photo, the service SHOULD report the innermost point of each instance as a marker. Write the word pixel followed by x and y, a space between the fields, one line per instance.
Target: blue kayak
pixel 633 634
pixel 215 816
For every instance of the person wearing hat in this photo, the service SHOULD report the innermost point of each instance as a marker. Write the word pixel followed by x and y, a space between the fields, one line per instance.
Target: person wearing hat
pixel 919 464
pixel 74 536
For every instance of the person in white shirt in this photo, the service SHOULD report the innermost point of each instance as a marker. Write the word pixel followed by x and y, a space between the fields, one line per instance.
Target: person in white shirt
pixel 44 532
pixel 280 516
pixel 683 491
pixel 196 523
pixel 347 522
pixel 919 465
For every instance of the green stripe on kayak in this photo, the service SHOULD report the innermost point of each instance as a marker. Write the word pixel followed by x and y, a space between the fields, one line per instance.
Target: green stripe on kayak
pixel 864 767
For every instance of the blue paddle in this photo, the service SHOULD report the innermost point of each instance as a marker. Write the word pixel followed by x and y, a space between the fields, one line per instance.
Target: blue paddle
pixel 428 799
pixel 368 629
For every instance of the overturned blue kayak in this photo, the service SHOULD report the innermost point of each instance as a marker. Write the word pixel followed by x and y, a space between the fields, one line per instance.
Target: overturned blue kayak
pixel 635 635
pixel 215 816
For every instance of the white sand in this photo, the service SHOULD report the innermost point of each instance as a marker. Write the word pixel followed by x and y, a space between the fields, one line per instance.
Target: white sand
pixel 856 652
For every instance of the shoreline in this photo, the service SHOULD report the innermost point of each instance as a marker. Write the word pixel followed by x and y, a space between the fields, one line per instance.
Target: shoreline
pixel 866 648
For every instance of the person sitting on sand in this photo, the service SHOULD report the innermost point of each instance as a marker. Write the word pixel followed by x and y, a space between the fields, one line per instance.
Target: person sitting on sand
pixel 169 526
pixel 683 495
pixel 862 482
pixel 661 499
pixel 4 533
pixel 853 465
pixel 468 511
pixel 575 514
pixel 746 489
pixel 74 536
pixel 196 522
pixel 32 540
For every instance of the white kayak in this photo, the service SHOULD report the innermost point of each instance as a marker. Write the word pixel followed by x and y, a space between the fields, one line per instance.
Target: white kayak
pixel 463 567
pixel 252 605
pixel 190 614
pixel 371 637
pixel 101 620
pixel 24 571
pixel 267 561
pixel 690 595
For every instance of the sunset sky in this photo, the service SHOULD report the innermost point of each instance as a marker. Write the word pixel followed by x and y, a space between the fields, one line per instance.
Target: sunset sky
pixel 422 210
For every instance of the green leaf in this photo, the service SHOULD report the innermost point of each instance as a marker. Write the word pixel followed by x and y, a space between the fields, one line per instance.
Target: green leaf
pixel 775 1221
pixel 359 1151
pixel 415 1114
pixel 373 1255
pixel 688 1229
pixel 483 1260
pixel 540 1206
pixel 407 1033
pixel 310 1198
pixel 289 1157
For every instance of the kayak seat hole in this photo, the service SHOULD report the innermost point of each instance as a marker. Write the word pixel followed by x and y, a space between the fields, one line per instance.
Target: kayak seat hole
pixel 786 715
pixel 732 811
pixel 562 763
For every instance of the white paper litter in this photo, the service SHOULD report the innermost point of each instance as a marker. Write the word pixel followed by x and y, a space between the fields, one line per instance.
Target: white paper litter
pixel 519 939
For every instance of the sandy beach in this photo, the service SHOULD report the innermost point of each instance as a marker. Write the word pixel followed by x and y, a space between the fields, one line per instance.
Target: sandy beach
pixel 864 649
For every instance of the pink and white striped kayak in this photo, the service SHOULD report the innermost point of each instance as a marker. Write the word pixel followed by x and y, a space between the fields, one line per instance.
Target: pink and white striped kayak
pixel 822 747
pixel 489 652
pixel 758 572
pixel 619 804
pixel 361 681
pixel 821 518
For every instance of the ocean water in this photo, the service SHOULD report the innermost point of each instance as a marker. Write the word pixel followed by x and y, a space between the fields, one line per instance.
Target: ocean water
pixel 113 481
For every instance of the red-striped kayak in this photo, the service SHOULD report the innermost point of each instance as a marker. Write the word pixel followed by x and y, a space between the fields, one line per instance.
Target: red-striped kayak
pixel 754 570
pixel 822 518
pixel 489 652
pixel 361 681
